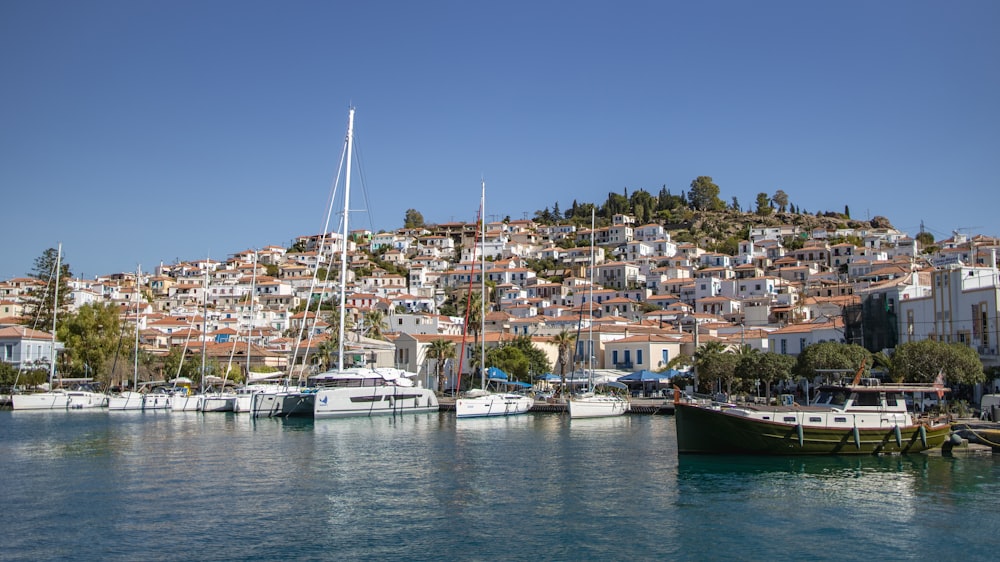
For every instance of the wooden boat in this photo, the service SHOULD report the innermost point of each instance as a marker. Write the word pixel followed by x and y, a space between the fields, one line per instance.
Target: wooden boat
pixel 855 418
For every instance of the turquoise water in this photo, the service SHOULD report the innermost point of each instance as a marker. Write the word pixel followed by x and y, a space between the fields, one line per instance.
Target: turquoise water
pixel 191 486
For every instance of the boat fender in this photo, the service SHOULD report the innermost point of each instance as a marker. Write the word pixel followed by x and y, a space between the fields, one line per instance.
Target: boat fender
pixel 923 435
pixel 857 438
pixel 955 439
pixel 899 436
pixel 801 436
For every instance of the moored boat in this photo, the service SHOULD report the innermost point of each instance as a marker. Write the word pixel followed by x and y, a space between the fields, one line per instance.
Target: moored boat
pixel 845 419
pixel 597 404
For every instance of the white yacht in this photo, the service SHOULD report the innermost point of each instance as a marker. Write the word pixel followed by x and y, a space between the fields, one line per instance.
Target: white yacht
pixel 594 404
pixel 370 392
pixel 482 403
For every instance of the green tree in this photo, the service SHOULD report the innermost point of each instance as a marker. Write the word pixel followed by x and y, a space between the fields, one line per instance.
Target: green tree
pixel 413 219
pixel 95 341
pixel 39 304
pixel 926 240
pixel 763 204
pixel 718 366
pixel 780 199
pixel 374 322
pixel 441 350
pixel 922 361
pixel 766 367
pixel 831 355
pixel 704 195
pixel 511 359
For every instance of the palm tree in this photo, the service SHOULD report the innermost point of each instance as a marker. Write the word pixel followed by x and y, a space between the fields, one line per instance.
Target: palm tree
pixel 374 320
pixel 564 341
pixel 473 309
pixel 705 350
pixel 441 350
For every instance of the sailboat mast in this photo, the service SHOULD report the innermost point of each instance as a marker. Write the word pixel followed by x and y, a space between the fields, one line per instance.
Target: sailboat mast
pixel 135 358
pixel 590 327
pixel 482 287
pixel 204 329
pixel 55 312
pixel 253 301
pixel 343 257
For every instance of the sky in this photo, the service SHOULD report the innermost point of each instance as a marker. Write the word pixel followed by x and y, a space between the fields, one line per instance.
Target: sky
pixel 139 132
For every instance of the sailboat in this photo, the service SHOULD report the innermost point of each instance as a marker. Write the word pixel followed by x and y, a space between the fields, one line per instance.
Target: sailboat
pixel 80 395
pixel 363 391
pixel 594 404
pixel 186 400
pixel 481 402
pixel 135 399
pixel 255 383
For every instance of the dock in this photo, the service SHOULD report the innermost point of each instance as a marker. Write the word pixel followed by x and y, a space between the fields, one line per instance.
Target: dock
pixel 639 406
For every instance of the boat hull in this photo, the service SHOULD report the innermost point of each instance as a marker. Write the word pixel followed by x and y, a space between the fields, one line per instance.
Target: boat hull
pixel 362 401
pixel 493 405
pixel 59 400
pixel 283 404
pixel 133 401
pixel 597 407
pixel 218 403
pixel 187 403
pixel 702 429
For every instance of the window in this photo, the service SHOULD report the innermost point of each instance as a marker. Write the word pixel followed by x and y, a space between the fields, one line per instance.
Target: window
pixel 638 357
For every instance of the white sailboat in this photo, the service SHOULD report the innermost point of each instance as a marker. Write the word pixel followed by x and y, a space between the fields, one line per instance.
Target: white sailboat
pixel 186 399
pixel 361 391
pixel 593 404
pixel 79 395
pixel 135 399
pixel 481 402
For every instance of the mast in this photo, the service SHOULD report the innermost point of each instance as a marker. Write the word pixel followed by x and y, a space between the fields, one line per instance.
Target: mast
pixel 204 329
pixel 135 358
pixel 253 301
pixel 482 287
pixel 55 312
pixel 343 257
pixel 590 326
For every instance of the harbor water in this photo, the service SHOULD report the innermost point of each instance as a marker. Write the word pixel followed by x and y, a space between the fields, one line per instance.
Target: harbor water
pixel 189 486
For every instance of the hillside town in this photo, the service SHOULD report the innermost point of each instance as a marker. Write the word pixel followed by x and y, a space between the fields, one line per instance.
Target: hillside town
pixel 635 298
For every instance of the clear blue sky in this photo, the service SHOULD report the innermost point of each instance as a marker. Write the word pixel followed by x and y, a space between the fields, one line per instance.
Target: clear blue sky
pixel 136 132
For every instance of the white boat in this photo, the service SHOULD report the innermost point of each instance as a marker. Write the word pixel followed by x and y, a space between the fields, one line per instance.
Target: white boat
pixel 74 398
pixel 185 402
pixel 357 391
pixel 218 402
pixel 481 402
pixel 290 402
pixel 594 404
pixel 244 394
pixel 370 392
pixel 157 398
pixel 80 394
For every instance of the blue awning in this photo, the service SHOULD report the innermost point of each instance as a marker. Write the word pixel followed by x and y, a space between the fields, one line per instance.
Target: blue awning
pixel 645 376
pixel 495 373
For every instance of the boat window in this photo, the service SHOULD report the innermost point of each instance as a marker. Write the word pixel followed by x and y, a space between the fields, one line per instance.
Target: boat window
pixel 839 419
pixel 893 398
pixel 815 419
pixel 789 418
pixel 865 398
pixel 839 398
